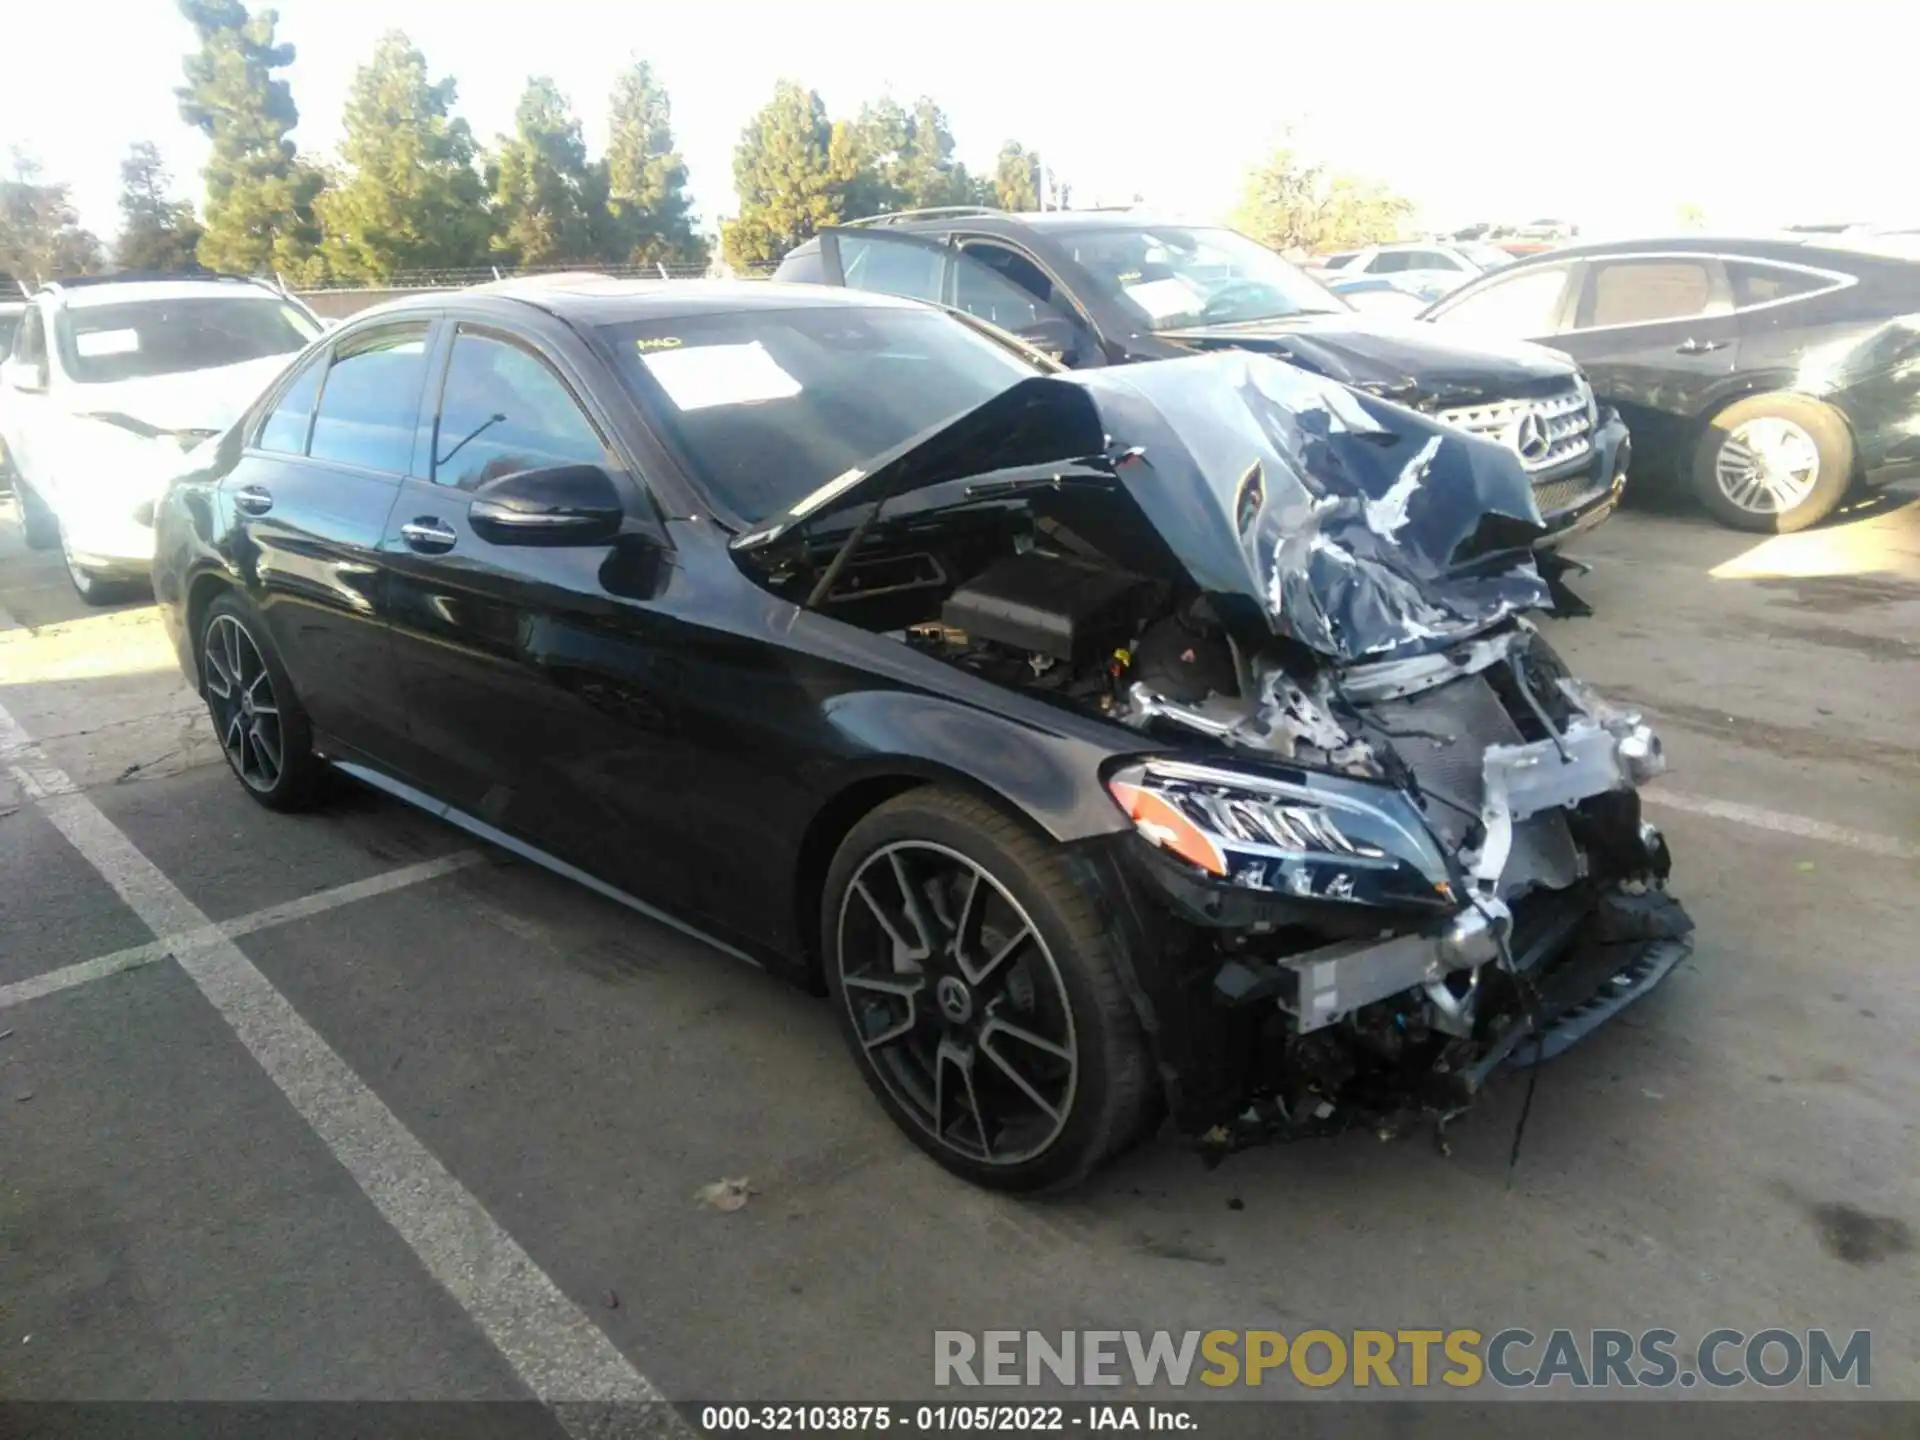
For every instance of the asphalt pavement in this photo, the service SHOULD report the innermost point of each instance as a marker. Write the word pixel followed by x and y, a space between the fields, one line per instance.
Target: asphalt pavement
pixel 346 1107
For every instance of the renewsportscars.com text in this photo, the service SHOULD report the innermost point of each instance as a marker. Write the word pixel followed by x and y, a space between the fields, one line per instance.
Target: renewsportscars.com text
pixel 1513 1358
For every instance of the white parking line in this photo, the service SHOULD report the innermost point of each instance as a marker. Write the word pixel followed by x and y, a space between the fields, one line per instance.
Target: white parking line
pixel 134 956
pixel 555 1349
pixel 1891 846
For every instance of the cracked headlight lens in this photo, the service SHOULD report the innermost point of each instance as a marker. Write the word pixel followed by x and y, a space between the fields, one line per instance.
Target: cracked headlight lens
pixel 1200 813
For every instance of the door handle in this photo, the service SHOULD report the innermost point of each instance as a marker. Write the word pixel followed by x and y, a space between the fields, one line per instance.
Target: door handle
pixel 253 500
pixel 428 536
pixel 1699 347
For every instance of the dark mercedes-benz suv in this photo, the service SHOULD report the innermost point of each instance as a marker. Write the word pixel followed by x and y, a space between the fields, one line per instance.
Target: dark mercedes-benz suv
pixel 1106 288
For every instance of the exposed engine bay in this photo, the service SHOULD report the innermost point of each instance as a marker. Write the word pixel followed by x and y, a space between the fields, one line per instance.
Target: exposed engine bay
pixel 1392 845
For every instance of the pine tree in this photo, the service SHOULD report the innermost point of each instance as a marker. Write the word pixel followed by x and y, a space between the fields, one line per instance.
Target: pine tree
pixel 1016 178
pixel 157 232
pixel 260 193
pixel 651 212
pixel 793 175
pixel 544 191
pixel 410 197
pixel 40 233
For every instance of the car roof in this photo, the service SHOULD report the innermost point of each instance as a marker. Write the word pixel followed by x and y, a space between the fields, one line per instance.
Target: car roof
pixel 1806 249
pixel 108 291
pixel 591 299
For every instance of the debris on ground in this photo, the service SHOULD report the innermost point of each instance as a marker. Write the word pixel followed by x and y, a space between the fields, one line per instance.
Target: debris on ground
pixel 23 1097
pixel 613 1299
pixel 5 1034
pixel 1236 1203
pixel 725 1195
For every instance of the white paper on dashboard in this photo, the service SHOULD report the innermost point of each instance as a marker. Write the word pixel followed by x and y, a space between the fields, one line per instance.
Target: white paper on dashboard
pixel 96 343
pixel 703 375
pixel 1172 296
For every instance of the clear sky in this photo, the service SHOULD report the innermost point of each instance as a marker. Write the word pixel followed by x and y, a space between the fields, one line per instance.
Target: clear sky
pixel 1613 115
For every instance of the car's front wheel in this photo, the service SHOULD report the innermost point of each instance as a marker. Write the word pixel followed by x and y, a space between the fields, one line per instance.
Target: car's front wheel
pixel 1774 463
pixel 981 995
pixel 258 719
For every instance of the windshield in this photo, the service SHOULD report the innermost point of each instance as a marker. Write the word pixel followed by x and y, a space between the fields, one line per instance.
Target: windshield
pixel 1175 277
pixel 100 344
pixel 766 406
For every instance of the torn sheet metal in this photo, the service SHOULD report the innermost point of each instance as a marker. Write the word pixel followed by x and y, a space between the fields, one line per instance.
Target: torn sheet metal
pixel 1358 528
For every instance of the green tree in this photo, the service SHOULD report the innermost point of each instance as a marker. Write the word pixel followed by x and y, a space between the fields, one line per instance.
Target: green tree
pixel 651 213
pixel 1293 203
pixel 794 172
pixel 260 192
pixel 549 205
pixel 40 232
pixel 907 159
pixel 157 232
pixel 409 197
pixel 1016 178
pixel 1690 216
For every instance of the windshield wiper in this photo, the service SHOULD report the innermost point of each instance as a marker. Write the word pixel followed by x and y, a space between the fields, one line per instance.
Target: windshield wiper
pixel 995 489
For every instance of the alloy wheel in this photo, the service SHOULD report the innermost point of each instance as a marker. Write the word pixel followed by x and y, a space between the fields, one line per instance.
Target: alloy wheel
pixel 83 580
pixel 246 712
pixel 957 1002
pixel 1767 465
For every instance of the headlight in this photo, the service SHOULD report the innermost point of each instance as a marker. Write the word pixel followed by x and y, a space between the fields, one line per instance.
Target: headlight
pixel 1323 837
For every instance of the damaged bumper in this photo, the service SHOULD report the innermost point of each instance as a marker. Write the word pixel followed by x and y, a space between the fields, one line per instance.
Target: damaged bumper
pixel 1544 912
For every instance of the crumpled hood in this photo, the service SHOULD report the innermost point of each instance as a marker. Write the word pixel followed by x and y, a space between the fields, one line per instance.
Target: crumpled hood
pixel 1406 361
pixel 1299 507
pixel 190 400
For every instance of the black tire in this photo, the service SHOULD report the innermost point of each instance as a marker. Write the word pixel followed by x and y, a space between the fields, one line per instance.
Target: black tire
pixel 1109 1098
pixel 1820 423
pixel 92 587
pixel 298 781
pixel 37 524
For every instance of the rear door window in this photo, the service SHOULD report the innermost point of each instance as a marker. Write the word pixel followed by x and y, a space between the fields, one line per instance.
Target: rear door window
pixel 1639 292
pixel 892 266
pixel 1757 283
pixel 370 402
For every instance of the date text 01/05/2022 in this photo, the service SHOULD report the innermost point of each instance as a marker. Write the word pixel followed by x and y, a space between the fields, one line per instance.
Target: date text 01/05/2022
pixel 939 1419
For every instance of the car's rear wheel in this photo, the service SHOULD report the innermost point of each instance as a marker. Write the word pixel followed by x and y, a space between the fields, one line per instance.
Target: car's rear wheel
pixel 258 719
pixel 91 586
pixel 37 523
pixel 1774 463
pixel 981 995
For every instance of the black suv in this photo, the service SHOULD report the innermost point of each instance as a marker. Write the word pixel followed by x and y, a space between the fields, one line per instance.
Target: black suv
pixel 1769 374
pixel 1107 288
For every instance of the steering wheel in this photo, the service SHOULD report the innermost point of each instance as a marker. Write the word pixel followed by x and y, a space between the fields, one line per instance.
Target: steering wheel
pixel 1229 294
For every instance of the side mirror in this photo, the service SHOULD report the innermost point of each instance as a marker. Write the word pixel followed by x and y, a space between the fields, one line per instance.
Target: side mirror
pixel 558 505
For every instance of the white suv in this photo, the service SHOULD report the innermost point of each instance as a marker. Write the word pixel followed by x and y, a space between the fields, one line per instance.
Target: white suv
pixel 111 381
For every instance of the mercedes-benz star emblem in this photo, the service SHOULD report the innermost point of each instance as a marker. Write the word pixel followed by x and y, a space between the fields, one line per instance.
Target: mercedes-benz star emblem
pixel 1530 437
pixel 956 1003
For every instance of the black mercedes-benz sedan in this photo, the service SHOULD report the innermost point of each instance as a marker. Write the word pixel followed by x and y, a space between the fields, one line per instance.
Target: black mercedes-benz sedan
pixel 1769 375
pixel 1164 740
pixel 1097 288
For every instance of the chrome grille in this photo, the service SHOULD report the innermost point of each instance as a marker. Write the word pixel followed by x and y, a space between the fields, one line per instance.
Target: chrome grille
pixel 1546 432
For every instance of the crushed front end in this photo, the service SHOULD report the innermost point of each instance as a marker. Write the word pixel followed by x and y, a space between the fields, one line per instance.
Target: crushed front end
pixel 1459 880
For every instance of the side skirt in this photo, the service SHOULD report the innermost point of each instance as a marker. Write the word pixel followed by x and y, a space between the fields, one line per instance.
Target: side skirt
pixel 369 776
